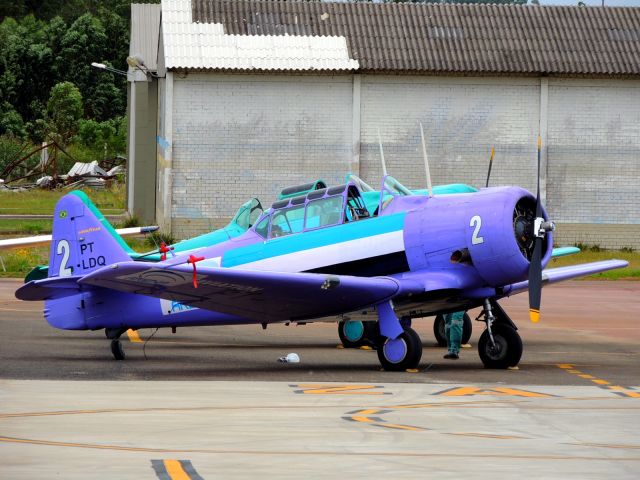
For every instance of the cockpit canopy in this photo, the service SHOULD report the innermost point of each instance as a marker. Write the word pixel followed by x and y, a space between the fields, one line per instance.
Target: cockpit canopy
pixel 317 209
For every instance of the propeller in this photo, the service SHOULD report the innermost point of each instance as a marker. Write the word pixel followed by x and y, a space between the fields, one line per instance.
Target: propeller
pixel 540 228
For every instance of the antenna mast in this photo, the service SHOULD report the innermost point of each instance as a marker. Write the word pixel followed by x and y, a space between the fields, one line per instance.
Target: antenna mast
pixel 426 161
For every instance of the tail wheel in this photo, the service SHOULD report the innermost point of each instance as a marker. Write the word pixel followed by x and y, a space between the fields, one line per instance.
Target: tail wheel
pixel 507 350
pixel 354 334
pixel 401 353
pixel 438 330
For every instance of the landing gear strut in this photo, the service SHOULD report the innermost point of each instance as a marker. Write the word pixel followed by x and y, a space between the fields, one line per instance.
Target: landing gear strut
pixel 499 346
pixel 399 346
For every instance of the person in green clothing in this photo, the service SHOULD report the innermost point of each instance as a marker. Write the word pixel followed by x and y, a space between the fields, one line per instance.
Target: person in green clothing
pixel 453 323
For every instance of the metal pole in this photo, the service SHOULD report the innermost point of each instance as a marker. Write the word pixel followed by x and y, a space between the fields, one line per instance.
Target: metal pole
pixel 132 149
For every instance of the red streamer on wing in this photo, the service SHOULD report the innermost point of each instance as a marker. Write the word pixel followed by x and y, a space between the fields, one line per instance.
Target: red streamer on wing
pixel 193 260
pixel 164 250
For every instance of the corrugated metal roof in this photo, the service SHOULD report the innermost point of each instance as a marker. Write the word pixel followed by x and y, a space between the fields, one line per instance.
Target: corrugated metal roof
pixel 145 26
pixel 209 46
pixel 461 38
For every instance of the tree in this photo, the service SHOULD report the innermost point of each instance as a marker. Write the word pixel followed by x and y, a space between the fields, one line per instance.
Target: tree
pixel 64 111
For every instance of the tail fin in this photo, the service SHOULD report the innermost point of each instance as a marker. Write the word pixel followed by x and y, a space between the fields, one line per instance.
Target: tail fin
pixel 83 240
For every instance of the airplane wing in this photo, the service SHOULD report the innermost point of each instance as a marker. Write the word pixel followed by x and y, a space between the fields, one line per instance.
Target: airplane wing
pixel 554 275
pixel 268 296
pixel 38 240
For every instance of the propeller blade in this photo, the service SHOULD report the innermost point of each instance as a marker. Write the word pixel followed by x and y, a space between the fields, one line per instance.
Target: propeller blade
pixel 535 281
pixel 535 266
pixel 538 205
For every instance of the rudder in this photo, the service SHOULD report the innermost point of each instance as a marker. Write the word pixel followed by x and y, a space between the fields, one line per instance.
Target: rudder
pixel 83 240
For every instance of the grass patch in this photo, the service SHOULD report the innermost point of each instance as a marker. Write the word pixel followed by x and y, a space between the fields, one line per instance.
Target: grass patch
pixel 41 202
pixel 24 228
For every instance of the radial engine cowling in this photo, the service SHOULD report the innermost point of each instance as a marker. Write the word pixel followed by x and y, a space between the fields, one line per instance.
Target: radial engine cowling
pixel 500 243
pixel 490 231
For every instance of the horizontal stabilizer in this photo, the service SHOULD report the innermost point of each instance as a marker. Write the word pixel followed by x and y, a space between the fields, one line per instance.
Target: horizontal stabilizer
pixel 564 251
pixel 49 288
pixel 257 295
pixel 553 275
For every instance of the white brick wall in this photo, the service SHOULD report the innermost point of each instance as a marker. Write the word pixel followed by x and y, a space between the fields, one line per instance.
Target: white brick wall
pixel 462 118
pixel 235 136
pixel 594 151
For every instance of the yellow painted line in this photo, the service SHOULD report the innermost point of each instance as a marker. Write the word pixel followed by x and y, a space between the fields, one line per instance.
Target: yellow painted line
pixel 600 382
pixel 133 336
pixel 368 412
pixel 496 391
pixel 175 470
pixel 319 389
pixel 362 419
pixel 488 435
pixel 400 427
pixel 324 453
pixel 608 445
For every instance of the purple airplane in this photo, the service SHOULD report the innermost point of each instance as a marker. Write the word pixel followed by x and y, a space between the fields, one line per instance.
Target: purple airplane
pixel 322 254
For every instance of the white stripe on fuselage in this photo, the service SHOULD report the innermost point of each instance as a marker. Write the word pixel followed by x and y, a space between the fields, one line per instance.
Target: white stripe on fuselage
pixel 334 254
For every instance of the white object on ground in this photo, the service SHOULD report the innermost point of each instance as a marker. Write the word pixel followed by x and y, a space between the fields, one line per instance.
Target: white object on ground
pixel 290 358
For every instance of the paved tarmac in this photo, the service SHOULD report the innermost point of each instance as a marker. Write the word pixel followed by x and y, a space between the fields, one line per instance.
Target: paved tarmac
pixel 213 402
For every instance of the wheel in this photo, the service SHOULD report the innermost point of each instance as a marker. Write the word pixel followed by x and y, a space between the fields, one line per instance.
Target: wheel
pixel 354 334
pixel 402 353
pixel 507 350
pixel 438 330
pixel 467 329
pixel 117 350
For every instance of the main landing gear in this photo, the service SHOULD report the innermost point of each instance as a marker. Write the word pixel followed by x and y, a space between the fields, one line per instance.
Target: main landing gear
pixel 116 345
pixel 500 346
pixel 401 353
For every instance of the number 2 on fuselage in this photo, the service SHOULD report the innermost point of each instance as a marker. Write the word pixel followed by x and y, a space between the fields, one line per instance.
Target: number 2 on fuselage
pixel 476 222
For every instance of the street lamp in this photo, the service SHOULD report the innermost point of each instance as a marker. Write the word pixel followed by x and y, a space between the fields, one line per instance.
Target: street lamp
pixel 102 66
pixel 135 63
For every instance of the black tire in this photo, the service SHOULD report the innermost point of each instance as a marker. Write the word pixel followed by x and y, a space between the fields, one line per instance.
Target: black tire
pixel 410 342
pixel 467 329
pixel 117 350
pixel 508 350
pixel 366 337
pixel 438 330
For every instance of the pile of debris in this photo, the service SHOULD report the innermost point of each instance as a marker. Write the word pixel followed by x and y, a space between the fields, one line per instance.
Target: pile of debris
pixel 93 174
pixel 90 175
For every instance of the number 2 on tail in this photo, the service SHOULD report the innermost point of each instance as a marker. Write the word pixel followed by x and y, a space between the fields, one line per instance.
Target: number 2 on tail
pixel 476 222
pixel 64 250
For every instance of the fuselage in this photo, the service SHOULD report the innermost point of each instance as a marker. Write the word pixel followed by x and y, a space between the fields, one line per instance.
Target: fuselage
pixel 471 233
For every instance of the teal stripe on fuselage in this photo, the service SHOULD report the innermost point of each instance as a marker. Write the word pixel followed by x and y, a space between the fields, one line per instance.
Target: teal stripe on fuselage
pixel 314 239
